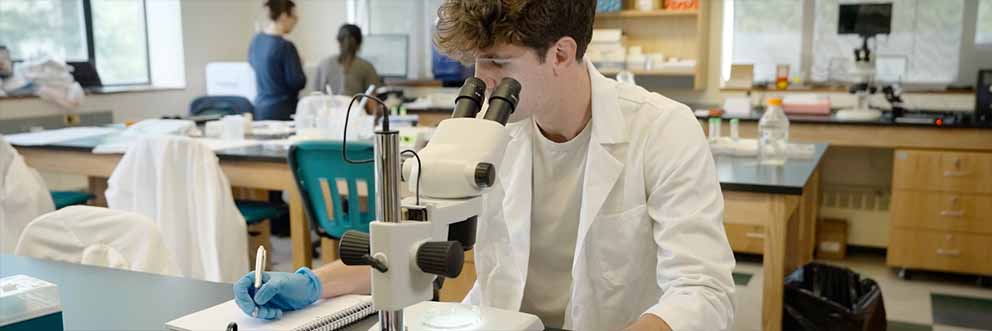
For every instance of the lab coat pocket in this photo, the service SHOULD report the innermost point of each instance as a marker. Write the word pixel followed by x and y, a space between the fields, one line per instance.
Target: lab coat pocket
pixel 616 243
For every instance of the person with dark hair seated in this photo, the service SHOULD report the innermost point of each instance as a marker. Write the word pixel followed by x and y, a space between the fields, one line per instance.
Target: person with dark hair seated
pixel 346 73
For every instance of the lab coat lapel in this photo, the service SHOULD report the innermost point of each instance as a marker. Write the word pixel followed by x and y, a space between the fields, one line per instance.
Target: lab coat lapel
pixel 603 168
pixel 516 176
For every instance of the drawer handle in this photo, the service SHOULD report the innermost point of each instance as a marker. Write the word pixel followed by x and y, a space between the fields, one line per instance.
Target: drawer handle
pixel 755 235
pixel 948 252
pixel 957 173
pixel 952 213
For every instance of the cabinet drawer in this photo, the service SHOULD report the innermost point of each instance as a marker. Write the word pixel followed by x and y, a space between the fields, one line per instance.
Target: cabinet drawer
pixel 942 251
pixel 942 171
pixel 746 238
pixel 942 211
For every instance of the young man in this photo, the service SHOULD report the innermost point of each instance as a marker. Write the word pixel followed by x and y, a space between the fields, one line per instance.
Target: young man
pixel 607 214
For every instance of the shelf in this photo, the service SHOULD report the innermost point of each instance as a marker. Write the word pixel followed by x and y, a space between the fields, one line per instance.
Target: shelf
pixel 653 13
pixel 674 71
pixel 837 89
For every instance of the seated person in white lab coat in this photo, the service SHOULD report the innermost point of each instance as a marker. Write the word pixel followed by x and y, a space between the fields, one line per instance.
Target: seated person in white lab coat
pixel 608 212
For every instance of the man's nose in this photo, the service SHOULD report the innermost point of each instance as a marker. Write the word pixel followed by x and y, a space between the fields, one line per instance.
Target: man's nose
pixel 489 80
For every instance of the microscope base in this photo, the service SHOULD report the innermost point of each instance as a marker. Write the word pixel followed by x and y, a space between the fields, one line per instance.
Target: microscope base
pixel 859 115
pixel 421 316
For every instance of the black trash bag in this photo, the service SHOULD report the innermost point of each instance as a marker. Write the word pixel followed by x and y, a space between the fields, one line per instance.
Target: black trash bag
pixel 821 297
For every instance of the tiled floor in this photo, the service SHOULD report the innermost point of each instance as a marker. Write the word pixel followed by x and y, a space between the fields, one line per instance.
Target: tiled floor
pixel 921 303
pixel 927 302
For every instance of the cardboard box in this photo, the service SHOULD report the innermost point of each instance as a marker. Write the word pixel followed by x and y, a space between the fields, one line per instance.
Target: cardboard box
pixel 831 239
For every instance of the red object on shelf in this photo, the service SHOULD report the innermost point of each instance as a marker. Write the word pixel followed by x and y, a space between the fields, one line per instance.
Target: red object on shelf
pixel 681 4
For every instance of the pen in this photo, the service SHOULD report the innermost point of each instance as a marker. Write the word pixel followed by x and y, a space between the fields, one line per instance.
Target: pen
pixel 259 267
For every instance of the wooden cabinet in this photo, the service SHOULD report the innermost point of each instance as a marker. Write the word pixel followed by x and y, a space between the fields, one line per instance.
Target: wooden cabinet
pixel 941 215
pixel 940 250
pixel 682 34
pixel 746 238
pixel 942 211
pixel 943 171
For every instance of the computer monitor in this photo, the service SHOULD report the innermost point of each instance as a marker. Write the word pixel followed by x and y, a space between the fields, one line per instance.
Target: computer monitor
pixel 85 74
pixel 388 53
pixel 865 19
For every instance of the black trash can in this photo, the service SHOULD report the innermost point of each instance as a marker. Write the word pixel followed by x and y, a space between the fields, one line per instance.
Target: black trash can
pixel 821 297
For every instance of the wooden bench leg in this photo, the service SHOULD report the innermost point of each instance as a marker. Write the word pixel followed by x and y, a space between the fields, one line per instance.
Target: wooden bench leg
pixel 260 234
pixel 328 250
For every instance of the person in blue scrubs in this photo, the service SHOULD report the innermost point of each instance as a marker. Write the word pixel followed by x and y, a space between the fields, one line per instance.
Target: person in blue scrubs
pixel 278 70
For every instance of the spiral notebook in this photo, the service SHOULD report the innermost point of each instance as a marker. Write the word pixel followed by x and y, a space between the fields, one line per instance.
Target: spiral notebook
pixel 325 315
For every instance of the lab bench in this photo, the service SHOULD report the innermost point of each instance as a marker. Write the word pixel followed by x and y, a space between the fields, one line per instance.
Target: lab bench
pixel 263 168
pixel 941 186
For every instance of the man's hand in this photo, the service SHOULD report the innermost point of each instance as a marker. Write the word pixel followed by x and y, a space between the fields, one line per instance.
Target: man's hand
pixel 649 322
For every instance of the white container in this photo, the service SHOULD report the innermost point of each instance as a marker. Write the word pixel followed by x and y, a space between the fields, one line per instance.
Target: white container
pixel 213 129
pixel 24 298
pixel 773 135
pixel 646 5
pixel 234 127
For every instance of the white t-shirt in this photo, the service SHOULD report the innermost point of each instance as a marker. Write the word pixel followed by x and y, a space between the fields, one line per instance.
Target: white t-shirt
pixel 558 171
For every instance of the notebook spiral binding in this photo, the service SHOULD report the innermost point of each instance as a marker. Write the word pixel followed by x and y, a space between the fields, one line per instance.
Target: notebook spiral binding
pixel 340 319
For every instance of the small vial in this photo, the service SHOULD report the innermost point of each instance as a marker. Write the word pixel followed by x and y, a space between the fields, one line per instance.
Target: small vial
pixel 734 129
pixel 714 131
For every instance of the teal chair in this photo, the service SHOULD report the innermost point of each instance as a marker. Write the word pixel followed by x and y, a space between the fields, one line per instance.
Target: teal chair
pixel 317 167
pixel 257 211
pixel 64 199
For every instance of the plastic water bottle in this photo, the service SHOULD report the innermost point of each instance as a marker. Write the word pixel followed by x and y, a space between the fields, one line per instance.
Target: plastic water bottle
pixel 773 134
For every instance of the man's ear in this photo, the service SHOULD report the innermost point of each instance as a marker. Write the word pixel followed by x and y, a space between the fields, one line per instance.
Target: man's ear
pixel 563 54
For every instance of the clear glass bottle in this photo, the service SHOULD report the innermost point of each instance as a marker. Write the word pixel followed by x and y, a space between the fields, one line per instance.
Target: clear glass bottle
pixel 773 134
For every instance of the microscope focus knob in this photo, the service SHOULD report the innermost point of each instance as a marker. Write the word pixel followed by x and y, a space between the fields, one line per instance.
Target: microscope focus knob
pixel 485 175
pixel 442 258
pixel 354 248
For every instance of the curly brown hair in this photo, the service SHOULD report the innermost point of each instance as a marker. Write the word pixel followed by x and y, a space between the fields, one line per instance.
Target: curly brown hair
pixel 465 27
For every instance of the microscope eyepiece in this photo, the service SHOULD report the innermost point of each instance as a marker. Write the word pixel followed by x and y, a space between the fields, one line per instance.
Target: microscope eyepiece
pixel 503 101
pixel 470 96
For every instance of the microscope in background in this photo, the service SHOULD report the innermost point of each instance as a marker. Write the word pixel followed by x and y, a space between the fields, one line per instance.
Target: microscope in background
pixel 983 97
pixel 867 21
pixel 407 252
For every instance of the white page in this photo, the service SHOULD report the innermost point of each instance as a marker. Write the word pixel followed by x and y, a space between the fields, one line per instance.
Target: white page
pixel 217 317
pixel 49 137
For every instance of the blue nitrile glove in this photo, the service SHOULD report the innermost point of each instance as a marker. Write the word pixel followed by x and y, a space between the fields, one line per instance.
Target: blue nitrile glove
pixel 280 292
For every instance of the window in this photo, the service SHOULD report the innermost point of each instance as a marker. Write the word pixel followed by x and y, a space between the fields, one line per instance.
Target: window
pixel 983 29
pixel 120 41
pixel 924 46
pixel 767 33
pixel 925 39
pixel 57 28
pixel 31 28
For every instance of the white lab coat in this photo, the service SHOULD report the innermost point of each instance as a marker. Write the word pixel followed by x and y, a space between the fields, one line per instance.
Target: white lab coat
pixel 178 183
pixel 651 237
pixel 101 237
pixel 23 196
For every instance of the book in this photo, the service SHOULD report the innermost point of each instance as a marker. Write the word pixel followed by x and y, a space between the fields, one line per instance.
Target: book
pixel 324 315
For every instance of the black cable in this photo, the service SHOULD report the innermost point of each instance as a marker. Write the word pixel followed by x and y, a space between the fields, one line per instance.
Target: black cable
pixel 420 170
pixel 347 115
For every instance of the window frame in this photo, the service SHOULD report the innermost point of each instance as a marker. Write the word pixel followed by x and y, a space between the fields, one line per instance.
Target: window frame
pixel 807 47
pixel 986 44
pixel 87 7
pixel 91 42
